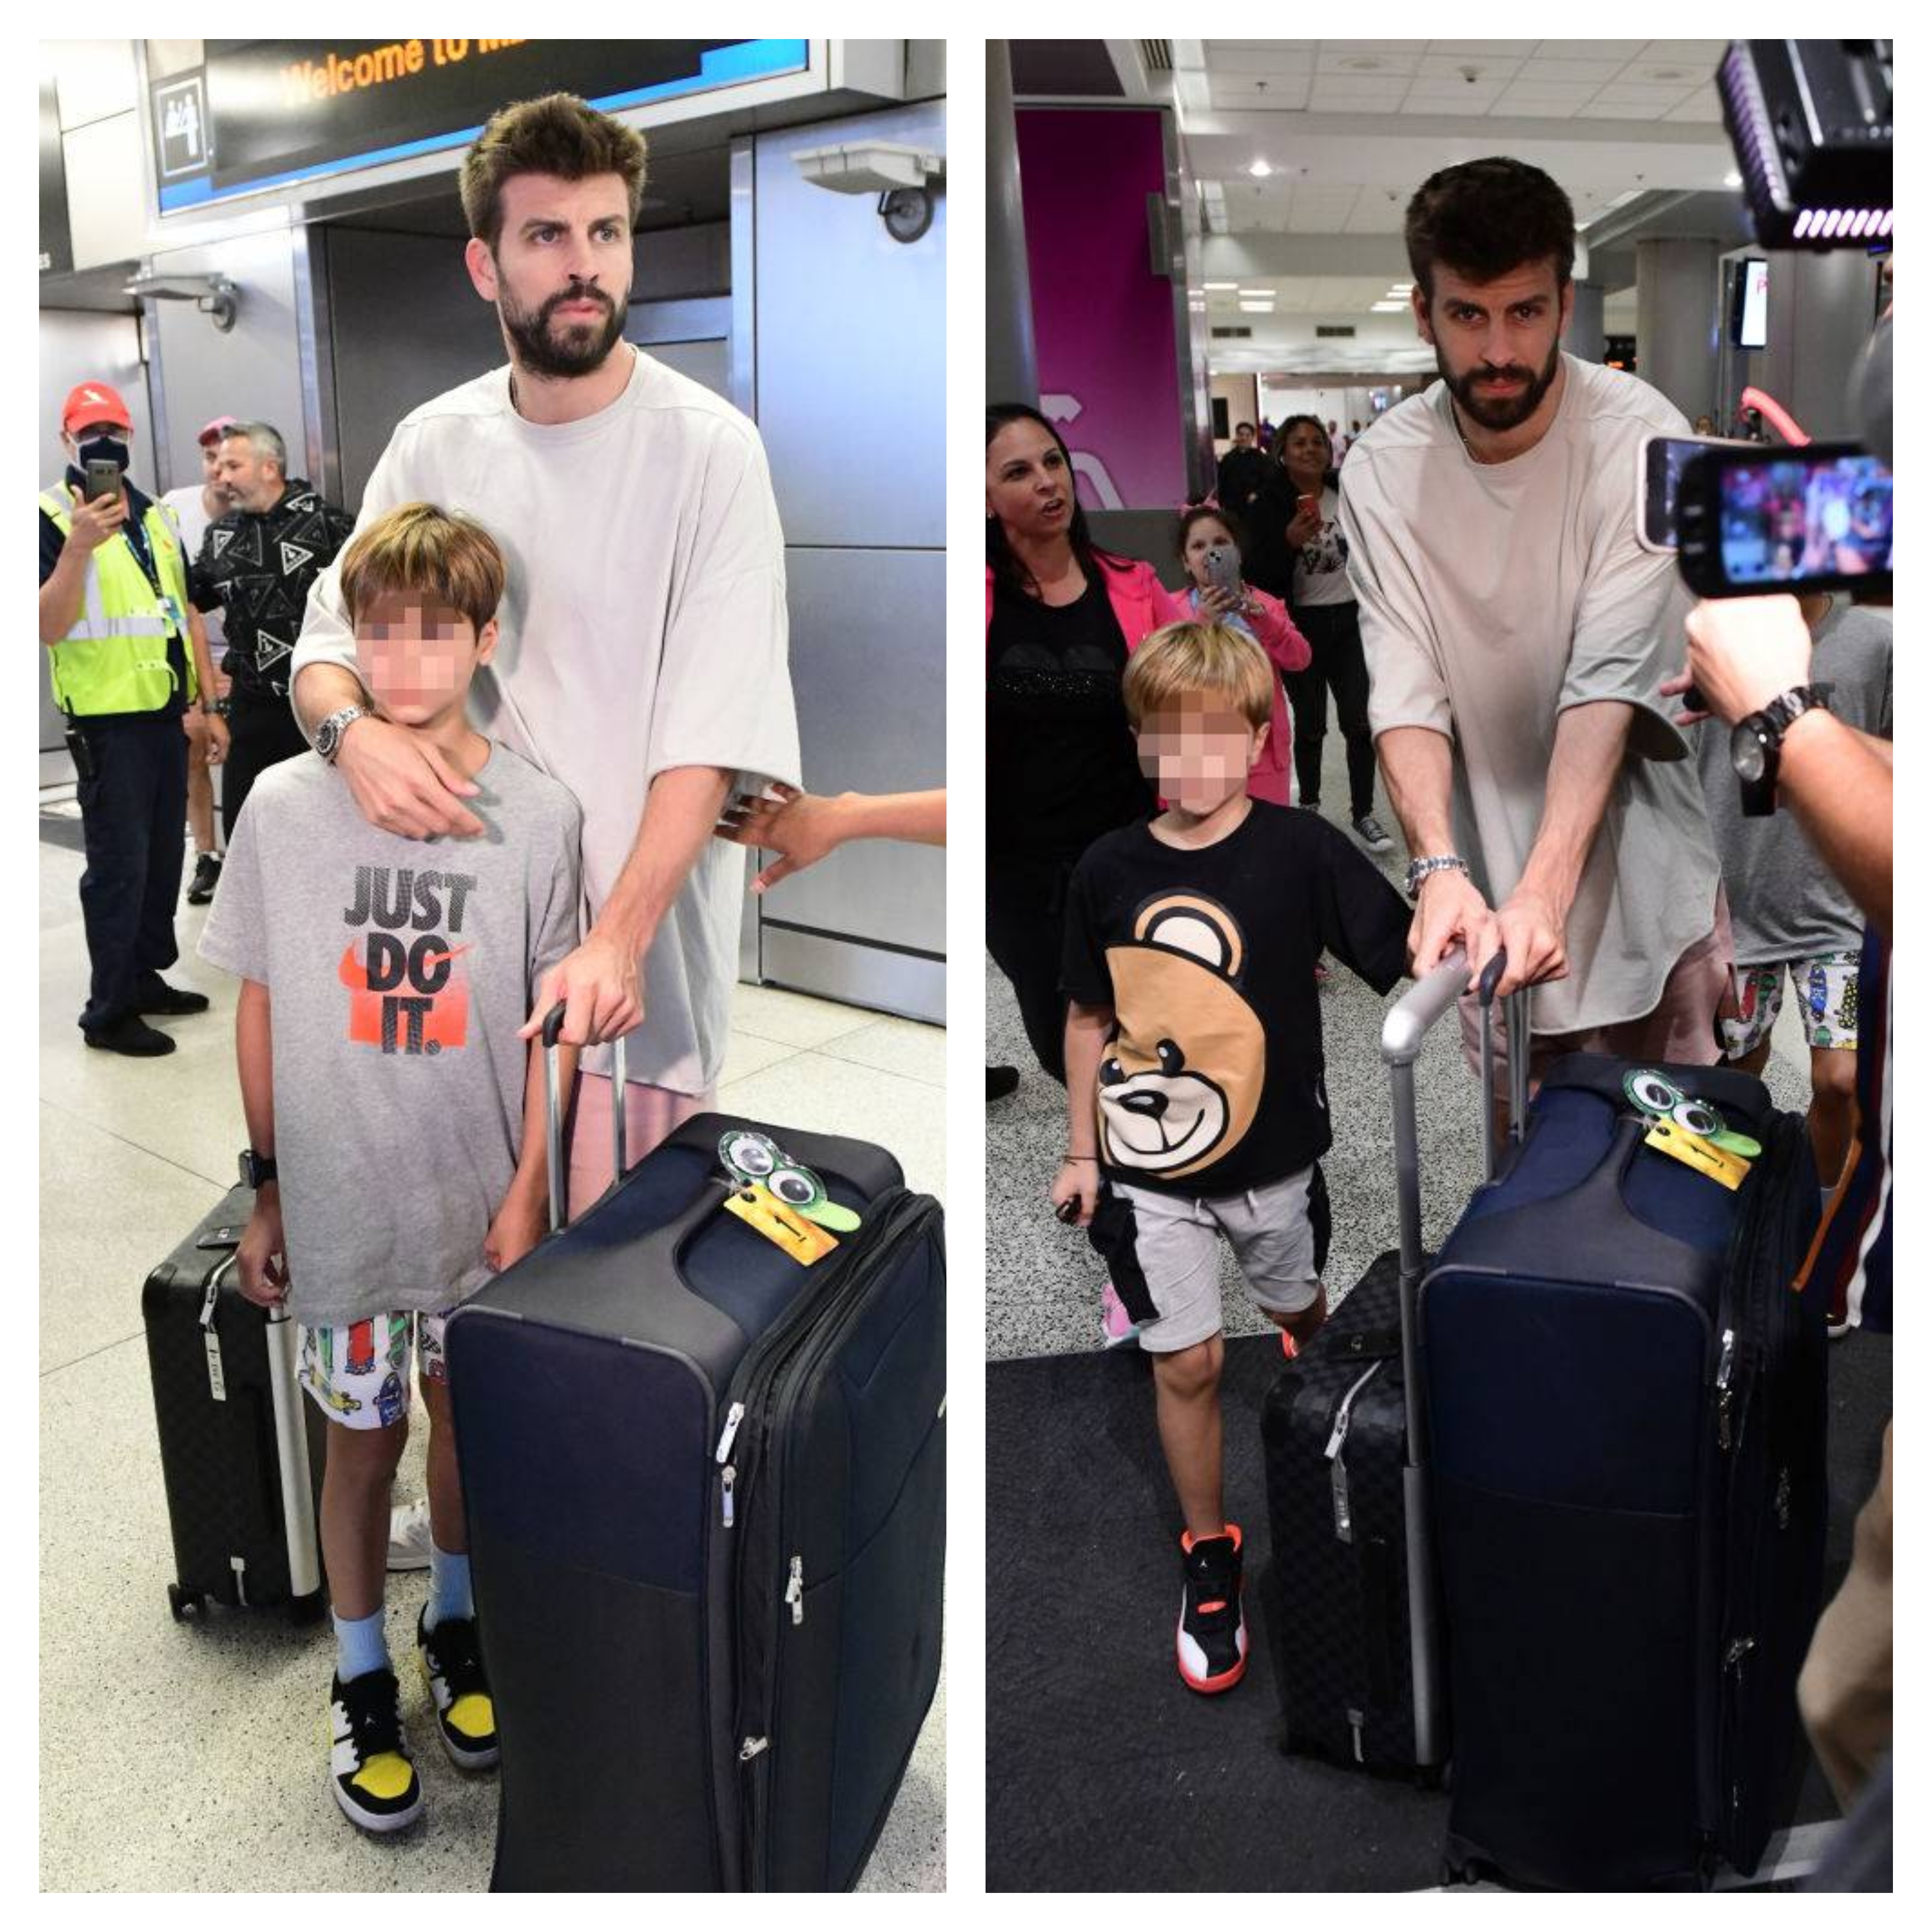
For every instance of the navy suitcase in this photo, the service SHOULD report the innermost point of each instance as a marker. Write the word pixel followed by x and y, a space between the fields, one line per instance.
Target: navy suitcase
pixel 241 1452
pixel 1627 1410
pixel 706 1491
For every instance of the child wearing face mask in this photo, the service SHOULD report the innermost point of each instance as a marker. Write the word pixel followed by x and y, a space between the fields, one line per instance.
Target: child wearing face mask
pixel 385 982
pixel 1196 1107
pixel 1207 532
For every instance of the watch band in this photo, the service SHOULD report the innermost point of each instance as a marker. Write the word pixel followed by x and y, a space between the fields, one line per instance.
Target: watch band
pixel 328 733
pixel 1788 706
pixel 1419 869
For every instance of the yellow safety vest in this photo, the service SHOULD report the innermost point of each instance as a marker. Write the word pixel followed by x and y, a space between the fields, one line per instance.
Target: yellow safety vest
pixel 115 657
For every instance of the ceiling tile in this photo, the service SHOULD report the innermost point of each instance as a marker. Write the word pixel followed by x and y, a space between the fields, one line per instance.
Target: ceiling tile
pixel 1533 87
pixel 1486 50
pixel 1702 107
pixel 1619 110
pixel 1385 61
pixel 1676 52
pixel 1236 63
pixel 1598 73
pixel 1514 107
pixel 1449 66
pixel 1591 50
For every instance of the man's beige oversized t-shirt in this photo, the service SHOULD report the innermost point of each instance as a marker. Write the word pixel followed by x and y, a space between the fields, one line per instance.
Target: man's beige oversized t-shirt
pixel 1496 596
pixel 644 628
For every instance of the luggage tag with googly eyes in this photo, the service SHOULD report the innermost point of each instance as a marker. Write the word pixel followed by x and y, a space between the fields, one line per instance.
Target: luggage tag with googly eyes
pixel 1690 1130
pixel 763 1168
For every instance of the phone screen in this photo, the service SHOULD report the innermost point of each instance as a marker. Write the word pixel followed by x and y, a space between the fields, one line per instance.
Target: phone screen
pixel 1805 518
pixel 103 479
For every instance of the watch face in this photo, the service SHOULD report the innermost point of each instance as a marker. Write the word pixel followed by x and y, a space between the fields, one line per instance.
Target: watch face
pixel 1747 755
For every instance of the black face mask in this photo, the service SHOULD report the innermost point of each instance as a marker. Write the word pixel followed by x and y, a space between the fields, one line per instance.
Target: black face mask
pixel 105 449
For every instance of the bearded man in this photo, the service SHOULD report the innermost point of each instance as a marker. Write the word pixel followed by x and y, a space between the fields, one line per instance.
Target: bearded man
pixel 1517 634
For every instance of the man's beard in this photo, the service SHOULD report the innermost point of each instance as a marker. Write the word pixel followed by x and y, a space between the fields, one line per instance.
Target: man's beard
pixel 1500 413
pixel 584 345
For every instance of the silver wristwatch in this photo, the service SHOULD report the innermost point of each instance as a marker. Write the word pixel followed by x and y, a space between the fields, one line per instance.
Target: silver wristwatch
pixel 1419 869
pixel 328 733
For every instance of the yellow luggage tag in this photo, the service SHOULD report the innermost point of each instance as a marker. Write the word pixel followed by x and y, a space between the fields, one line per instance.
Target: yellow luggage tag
pixel 1695 1151
pixel 757 1206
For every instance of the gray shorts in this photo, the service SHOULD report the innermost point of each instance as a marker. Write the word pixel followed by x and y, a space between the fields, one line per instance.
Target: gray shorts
pixel 1278 1233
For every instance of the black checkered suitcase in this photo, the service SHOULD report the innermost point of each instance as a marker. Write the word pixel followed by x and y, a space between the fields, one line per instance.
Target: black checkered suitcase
pixel 1350 1602
pixel 241 1453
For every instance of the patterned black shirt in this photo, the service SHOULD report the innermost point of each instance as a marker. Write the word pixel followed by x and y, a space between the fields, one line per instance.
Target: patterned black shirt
pixel 259 568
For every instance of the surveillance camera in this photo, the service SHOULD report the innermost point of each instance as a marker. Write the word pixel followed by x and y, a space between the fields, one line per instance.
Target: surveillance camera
pixel 1471 74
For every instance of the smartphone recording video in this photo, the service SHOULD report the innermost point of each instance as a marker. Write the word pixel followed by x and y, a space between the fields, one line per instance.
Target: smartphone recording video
pixel 1752 522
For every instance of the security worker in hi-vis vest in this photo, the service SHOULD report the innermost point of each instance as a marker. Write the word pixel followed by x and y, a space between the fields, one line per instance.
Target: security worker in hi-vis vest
pixel 130 668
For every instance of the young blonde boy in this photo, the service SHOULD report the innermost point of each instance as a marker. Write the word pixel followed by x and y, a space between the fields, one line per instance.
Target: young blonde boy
pixel 1197 1110
pixel 395 1118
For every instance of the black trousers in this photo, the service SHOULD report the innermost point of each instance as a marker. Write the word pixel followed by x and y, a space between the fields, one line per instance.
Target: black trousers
pixel 262 732
pixel 1026 923
pixel 133 812
pixel 1336 663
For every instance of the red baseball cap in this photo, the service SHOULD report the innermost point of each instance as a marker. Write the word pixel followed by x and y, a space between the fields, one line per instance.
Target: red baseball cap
pixel 211 432
pixel 88 403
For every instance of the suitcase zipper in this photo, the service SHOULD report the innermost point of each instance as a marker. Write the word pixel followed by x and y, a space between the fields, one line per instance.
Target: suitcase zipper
pixel 1338 1474
pixel 1749 1350
pixel 211 1342
pixel 1724 1359
pixel 781 1364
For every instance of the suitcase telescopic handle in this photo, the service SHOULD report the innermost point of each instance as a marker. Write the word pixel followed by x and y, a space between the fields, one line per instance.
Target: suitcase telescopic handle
pixel 1403 1030
pixel 552 1031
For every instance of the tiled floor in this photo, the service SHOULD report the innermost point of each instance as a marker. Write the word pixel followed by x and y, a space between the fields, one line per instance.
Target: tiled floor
pixel 183 1758
pixel 1043 1281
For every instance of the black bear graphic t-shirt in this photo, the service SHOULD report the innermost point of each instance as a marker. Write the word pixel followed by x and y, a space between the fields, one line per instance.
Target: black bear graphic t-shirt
pixel 1212 1082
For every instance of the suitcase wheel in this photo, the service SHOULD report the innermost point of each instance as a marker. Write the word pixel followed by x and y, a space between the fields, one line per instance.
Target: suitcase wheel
pixel 185 1606
pixel 306 1609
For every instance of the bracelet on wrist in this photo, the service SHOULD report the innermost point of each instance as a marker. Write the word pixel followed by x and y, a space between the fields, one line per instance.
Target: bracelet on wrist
pixel 1093 1157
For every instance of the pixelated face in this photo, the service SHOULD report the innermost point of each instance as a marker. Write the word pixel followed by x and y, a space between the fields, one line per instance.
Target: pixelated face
pixel 251 480
pixel 1244 435
pixel 1496 342
pixel 1310 453
pixel 1202 537
pixel 1198 755
pixel 560 275
pixel 1029 487
pixel 417 657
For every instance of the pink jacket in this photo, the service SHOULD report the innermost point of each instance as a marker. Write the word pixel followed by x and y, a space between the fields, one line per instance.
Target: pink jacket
pixel 1142 604
pixel 1135 593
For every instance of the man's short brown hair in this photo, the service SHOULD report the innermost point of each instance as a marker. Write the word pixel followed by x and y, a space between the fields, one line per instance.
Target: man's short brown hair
pixel 558 135
pixel 1198 660
pixel 1486 219
pixel 417 550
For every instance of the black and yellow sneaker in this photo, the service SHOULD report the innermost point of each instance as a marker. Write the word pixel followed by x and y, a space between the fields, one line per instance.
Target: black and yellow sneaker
pixel 466 1718
pixel 375 1783
pixel 1211 1642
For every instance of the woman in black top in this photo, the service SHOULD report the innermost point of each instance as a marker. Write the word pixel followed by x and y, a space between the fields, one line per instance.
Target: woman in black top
pixel 1061 767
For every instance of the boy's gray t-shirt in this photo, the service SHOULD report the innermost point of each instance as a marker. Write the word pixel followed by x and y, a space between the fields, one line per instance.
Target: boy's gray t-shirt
pixel 399 971
pixel 1785 903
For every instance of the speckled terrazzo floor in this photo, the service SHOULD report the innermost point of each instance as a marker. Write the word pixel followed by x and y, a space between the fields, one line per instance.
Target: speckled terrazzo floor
pixel 176 1758
pixel 1043 1281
